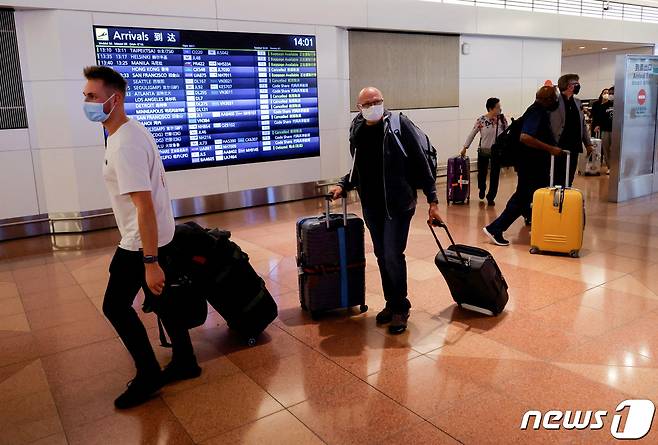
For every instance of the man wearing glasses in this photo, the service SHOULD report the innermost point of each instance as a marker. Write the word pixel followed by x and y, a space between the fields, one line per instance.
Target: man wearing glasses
pixel 569 129
pixel 386 171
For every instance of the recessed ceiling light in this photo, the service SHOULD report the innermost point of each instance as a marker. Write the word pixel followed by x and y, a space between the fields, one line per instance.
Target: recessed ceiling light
pixel 604 49
pixel 581 47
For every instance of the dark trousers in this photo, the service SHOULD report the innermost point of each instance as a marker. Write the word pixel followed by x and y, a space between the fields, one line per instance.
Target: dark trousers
pixel 127 276
pixel 485 162
pixel 389 237
pixel 520 202
pixel 561 165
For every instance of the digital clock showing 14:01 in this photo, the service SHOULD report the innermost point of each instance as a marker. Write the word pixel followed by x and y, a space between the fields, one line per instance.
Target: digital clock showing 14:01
pixel 303 41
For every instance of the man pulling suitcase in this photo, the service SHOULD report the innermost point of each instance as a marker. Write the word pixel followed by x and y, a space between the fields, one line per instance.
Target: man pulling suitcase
pixel 388 167
pixel 533 165
pixel 135 180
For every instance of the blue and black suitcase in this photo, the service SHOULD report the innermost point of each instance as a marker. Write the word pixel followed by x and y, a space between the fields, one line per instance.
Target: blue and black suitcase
pixel 331 261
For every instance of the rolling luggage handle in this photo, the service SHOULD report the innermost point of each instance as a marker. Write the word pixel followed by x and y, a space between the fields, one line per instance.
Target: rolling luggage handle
pixel 566 180
pixel 558 197
pixel 441 224
pixel 328 198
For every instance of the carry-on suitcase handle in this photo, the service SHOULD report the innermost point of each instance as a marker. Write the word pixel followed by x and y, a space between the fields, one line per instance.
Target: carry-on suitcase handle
pixel 566 180
pixel 328 198
pixel 437 223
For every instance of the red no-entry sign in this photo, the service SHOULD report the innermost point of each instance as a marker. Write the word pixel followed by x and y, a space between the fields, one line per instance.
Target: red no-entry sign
pixel 641 97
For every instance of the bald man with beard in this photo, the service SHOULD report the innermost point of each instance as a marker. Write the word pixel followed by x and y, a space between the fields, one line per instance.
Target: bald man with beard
pixel 386 175
pixel 534 165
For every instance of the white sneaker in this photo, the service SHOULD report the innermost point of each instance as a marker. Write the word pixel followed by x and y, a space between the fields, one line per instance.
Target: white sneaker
pixel 497 239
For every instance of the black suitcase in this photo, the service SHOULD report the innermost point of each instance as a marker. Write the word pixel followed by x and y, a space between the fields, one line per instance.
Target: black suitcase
pixel 229 282
pixel 474 278
pixel 331 261
pixel 181 297
pixel 239 295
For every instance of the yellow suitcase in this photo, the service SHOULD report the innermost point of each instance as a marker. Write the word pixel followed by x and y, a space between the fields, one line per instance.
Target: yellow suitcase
pixel 558 218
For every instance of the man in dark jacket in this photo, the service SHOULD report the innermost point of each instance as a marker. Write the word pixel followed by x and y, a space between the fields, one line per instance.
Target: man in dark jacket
pixel 386 175
pixel 534 164
pixel 569 129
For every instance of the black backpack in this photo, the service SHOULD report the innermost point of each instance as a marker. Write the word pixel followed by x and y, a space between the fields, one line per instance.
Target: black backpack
pixel 507 148
pixel 421 137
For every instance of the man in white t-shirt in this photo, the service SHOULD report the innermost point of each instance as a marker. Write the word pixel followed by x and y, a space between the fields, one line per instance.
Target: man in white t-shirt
pixel 135 180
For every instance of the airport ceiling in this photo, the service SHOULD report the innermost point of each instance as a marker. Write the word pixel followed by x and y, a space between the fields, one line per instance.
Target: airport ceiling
pixel 579 47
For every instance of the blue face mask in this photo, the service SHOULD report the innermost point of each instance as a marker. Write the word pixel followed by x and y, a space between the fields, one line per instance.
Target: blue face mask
pixel 94 110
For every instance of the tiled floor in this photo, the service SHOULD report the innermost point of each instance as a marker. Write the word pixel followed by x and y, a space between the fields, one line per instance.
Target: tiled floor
pixel 578 334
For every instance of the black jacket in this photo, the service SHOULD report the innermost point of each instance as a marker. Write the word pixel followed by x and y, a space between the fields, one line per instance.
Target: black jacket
pixel 402 169
pixel 602 115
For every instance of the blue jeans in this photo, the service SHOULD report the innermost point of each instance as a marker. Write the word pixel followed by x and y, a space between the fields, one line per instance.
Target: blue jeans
pixel 389 237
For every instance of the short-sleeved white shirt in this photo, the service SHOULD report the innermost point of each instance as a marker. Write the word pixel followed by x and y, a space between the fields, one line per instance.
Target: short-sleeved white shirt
pixel 133 164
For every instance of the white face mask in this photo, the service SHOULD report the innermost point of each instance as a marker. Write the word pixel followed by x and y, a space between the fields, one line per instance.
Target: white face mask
pixel 611 97
pixel 606 96
pixel 373 113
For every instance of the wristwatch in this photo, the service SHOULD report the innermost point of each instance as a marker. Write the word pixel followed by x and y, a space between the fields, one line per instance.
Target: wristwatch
pixel 150 259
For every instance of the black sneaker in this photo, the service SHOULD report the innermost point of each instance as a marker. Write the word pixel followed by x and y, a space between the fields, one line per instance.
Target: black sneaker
pixel 140 389
pixel 175 372
pixel 496 238
pixel 491 203
pixel 398 324
pixel 482 194
pixel 385 316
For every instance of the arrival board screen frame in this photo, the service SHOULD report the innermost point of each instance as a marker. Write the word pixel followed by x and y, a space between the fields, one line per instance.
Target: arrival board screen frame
pixel 214 98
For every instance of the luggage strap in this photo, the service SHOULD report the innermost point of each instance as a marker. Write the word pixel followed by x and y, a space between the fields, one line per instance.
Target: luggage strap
pixel 259 296
pixel 465 262
pixel 237 255
pixel 395 125
pixel 163 336
pixel 558 198
pixel 342 251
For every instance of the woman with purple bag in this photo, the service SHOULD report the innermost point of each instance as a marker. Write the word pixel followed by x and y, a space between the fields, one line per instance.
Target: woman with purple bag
pixel 490 126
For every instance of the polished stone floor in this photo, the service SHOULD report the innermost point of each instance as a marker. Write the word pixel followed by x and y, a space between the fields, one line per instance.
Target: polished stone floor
pixel 578 334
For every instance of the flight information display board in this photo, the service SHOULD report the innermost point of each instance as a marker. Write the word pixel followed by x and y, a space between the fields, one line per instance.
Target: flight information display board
pixel 218 98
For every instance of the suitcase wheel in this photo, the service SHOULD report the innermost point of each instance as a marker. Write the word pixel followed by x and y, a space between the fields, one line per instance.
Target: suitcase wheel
pixel 534 250
pixel 251 341
pixel 363 308
pixel 574 254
